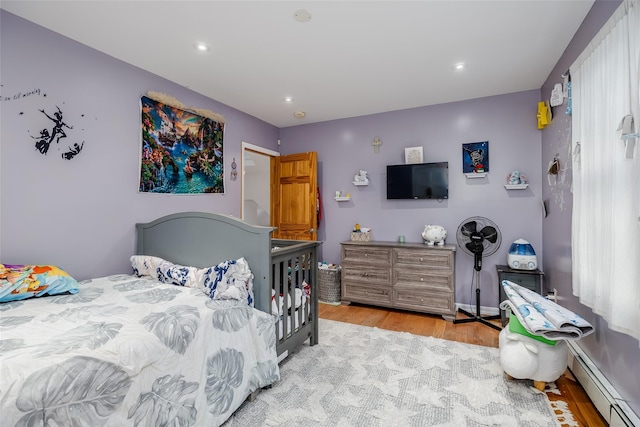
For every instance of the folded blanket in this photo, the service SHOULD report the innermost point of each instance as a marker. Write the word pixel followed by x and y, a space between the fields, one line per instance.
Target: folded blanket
pixel 230 279
pixel 539 316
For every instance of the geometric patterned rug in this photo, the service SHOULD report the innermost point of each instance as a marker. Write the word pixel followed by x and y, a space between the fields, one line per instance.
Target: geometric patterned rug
pixel 364 376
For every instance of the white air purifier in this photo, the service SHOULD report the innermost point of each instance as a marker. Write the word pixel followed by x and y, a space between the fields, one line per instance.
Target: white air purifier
pixel 522 256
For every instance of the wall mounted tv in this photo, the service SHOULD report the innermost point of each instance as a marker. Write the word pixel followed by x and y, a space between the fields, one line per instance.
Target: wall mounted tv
pixel 418 181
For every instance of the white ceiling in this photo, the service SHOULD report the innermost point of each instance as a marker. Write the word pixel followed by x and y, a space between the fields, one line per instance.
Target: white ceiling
pixel 352 58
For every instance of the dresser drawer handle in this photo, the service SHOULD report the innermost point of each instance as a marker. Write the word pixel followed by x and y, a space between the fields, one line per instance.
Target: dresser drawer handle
pixel 422 279
pixel 421 259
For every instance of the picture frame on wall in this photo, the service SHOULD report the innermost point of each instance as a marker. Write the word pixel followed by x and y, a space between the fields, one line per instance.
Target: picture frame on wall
pixel 413 155
pixel 475 158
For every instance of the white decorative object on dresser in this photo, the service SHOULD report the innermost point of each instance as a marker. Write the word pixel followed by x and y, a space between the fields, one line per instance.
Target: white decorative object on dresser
pixel 407 276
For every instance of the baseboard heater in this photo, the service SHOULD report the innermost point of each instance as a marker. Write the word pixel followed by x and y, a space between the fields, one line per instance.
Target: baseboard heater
pixel 603 395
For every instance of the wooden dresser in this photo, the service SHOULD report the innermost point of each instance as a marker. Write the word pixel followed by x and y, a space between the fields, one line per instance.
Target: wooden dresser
pixel 407 276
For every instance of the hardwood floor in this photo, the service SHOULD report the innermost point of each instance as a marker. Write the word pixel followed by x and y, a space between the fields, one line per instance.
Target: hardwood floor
pixel 583 411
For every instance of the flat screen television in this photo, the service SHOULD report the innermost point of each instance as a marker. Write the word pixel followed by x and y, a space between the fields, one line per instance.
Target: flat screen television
pixel 418 181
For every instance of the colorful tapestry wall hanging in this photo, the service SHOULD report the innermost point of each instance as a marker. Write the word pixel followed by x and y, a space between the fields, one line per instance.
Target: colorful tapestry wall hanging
pixel 181 151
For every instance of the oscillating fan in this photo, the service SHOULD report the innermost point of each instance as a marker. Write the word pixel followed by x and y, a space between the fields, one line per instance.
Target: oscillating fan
pixel 479 237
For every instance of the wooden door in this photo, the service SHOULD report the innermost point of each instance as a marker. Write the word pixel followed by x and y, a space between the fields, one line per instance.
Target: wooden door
pixel 294 199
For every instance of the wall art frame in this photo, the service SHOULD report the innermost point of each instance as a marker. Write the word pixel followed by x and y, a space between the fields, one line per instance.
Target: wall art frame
pixel 475 158
pixel 413 155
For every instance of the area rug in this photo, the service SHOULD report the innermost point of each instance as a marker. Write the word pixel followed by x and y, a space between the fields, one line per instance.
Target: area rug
pixel 363 376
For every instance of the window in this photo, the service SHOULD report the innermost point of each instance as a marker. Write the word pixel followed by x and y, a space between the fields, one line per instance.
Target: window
pixel 606 182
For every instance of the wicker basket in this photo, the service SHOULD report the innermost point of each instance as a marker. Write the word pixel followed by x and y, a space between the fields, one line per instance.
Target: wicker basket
pixel 329 285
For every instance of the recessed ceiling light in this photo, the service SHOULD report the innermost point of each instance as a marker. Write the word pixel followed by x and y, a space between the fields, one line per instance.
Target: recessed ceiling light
pixel 302 15
pixel 299 114
pixel 202 47
pixel 459 66
pixel 288 99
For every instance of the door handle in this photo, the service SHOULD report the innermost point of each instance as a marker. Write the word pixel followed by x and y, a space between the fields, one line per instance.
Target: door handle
pixel 311 230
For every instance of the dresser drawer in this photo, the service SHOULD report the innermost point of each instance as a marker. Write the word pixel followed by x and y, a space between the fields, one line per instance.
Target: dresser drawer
pixel 366 255
pixel 431 258
pixel 374 295
pixel 418 299
pixel 369 275
pixel 423 279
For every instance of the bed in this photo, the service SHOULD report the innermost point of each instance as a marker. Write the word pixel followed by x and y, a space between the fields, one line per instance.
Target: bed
pixel 271 260
pixel 132 350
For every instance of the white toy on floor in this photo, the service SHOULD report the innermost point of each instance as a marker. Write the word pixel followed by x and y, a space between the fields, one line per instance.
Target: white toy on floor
pixel 523 357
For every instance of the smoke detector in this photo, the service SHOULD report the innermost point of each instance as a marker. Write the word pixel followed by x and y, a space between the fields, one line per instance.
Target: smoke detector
pixel 302 15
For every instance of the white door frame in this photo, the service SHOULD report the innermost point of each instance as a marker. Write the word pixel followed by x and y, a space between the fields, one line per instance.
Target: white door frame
pixel 257 149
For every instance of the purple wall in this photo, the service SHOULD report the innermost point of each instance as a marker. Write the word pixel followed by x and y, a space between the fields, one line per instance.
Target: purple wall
pixel 617 355
pixel 508 122
pixel 80 214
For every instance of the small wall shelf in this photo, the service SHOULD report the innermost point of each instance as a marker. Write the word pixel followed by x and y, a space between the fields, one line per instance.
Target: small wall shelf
pixel 516 186
pixel 342 199
pixel 359 183
pixel 476 174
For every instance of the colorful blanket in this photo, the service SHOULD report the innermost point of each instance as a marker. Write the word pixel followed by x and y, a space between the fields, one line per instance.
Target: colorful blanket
pixel 539 316
pixel 20 282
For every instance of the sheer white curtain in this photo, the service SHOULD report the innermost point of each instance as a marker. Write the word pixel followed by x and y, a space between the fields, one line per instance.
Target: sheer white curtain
pixel 606 182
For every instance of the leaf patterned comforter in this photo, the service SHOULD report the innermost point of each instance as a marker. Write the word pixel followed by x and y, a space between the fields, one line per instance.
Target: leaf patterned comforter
pixel 134 351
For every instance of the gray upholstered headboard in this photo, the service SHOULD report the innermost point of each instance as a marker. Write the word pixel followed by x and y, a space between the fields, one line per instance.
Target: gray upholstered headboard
pixel 202 239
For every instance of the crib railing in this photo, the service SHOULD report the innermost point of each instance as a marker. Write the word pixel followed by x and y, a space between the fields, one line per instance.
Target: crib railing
pixel 294 278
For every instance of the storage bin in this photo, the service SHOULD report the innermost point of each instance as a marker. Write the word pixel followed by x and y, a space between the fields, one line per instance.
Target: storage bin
pixel 363 236
pixel 329 284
